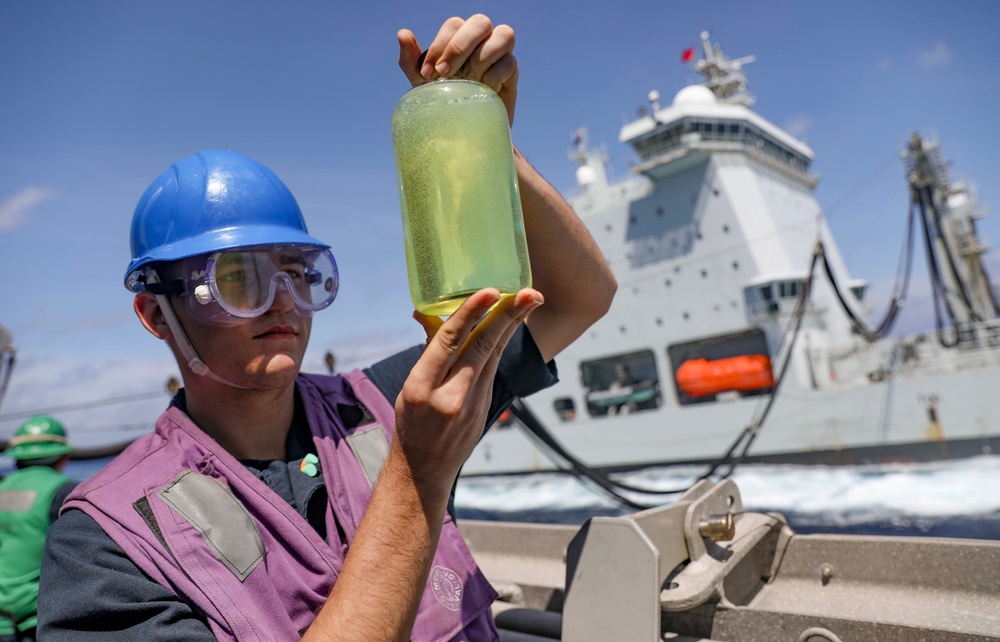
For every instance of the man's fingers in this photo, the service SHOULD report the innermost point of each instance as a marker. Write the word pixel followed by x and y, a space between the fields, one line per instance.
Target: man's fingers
pixel 429 323
pixel 499 44
pixel 502 78
pixel 502 74
pixel 445 346
pixel 409 56
pixel 461 47
pixel 471 49
pixel 490 337
pixel 488 371
pixel 437 48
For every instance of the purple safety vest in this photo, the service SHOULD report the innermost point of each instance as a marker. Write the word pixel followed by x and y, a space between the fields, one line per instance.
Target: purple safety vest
pixel 190 516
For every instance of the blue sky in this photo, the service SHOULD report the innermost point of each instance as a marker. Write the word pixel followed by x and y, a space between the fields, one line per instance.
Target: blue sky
pixel 98 98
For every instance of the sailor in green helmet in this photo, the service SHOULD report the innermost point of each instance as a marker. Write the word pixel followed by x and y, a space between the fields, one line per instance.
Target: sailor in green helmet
pixel 30 499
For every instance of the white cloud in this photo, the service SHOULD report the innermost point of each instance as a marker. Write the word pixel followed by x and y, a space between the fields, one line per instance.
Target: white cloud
pixel 885 64
pixel 15 210
pixel 54 381
pixel 939 56
pixel 798 125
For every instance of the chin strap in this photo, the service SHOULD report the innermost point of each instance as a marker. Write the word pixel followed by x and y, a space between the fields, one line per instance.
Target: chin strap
pixel 194 362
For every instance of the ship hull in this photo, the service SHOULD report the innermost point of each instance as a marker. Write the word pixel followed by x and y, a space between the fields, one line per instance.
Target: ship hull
pixel 905 417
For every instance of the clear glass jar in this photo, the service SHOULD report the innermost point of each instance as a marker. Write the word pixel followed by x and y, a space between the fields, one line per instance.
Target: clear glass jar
pixel 458 193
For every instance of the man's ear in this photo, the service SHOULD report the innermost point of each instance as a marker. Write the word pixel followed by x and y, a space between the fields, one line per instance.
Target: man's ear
pixel 148 309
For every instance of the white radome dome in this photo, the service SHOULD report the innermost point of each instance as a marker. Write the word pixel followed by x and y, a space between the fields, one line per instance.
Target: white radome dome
pixel 585 176
pixel 695 95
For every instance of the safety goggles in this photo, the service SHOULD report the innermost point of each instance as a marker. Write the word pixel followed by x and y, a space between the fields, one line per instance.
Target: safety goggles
pixel 234 285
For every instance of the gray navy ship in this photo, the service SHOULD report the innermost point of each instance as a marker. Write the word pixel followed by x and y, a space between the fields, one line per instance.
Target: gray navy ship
pixel 737 321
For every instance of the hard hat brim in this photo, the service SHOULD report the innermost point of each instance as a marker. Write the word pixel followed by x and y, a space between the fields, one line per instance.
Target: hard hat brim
pixel 37 450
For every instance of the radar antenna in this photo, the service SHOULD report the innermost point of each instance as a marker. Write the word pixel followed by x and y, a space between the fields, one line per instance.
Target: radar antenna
pixel 591 174
pixel 724 76
pixel 581 151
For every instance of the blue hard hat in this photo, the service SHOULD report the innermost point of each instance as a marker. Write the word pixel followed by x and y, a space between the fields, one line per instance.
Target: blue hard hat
pixel 212 201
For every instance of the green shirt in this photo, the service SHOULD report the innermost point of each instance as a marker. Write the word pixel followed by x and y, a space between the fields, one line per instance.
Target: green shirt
pixel 25 516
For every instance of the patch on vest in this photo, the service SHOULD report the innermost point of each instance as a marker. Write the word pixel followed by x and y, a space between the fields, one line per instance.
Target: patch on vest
pixel 221 519
pixel 447 587
pixel 17 501
pixel 370 447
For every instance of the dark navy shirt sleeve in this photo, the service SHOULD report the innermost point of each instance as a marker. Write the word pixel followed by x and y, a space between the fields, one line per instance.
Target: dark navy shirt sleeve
pixel 57 501
pixel 90 590
pixel 521 372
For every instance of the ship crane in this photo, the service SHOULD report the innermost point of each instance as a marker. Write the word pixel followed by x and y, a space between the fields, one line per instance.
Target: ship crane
pixel 960 283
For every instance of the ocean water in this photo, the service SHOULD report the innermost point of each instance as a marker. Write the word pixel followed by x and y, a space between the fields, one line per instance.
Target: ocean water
pixel 958 498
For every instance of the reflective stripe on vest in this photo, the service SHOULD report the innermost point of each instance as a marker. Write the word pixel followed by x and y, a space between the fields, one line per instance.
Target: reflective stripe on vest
pixel 220 518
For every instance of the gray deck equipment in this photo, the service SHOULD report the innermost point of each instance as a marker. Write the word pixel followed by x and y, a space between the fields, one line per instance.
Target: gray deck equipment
pixel 703 569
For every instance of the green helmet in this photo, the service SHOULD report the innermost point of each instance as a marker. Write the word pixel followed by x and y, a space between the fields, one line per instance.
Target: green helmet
pixel 40 436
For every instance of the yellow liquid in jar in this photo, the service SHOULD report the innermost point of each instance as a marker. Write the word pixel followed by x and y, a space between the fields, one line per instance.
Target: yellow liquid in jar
pixel 458 193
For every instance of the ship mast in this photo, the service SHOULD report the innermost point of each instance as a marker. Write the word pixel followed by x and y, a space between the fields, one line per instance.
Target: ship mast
pixel 591 175
pixel 724 76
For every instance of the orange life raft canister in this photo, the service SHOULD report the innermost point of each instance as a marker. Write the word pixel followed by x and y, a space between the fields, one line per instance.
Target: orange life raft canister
pixel 701 377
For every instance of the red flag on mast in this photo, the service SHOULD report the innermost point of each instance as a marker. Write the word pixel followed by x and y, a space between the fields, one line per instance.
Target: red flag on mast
pixel 687 54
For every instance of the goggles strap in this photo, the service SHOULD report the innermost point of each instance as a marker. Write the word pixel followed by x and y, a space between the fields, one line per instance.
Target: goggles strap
pixel 157 287
pixel 194 362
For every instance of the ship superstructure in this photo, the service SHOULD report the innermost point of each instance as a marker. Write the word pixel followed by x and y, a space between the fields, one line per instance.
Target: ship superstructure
pixel 712 239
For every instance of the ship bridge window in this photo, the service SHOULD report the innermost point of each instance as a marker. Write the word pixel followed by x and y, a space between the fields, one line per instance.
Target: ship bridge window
pixel 735 364
pixel 663 140
pixel 765 297
pixel 762 298
pixel 621 384
pixel 660 141
pixel 788 289
pixel 858 288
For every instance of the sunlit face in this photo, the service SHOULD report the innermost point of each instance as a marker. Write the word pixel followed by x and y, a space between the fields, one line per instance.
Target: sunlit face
pixel 263 352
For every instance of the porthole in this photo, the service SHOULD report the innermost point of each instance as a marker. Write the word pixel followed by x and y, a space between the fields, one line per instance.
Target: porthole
pixel 565 409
